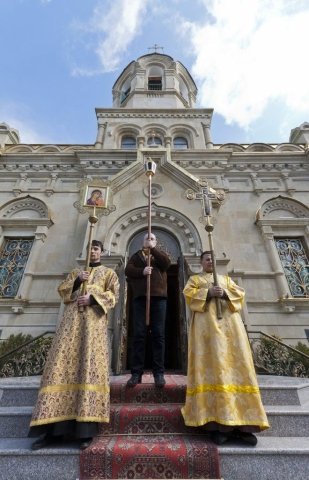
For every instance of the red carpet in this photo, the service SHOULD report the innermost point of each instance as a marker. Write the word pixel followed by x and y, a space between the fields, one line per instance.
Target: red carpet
pixel 149 457
pixel 147 438
pixel 173 392
pixel 145 419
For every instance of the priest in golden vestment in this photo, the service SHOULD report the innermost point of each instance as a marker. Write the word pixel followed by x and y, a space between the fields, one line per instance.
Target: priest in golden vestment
pixel 74 393
pixel 222 390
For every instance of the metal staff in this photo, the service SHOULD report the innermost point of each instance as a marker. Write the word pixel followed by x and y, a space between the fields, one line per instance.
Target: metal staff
pixel 209 228
pixel 93 220
pixel 150 170
pixel 205 195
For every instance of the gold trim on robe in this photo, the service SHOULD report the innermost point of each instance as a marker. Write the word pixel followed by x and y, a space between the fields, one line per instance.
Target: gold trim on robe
pixel 75 381
pixel 221 383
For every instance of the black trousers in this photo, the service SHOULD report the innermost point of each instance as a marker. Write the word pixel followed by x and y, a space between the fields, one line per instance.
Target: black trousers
pixel 157 332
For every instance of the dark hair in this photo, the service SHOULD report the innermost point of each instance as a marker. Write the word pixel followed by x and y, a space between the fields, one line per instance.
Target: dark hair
pixel 97 243
pixel 206 252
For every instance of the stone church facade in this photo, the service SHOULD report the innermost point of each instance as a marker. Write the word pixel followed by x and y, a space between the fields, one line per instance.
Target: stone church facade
pixel 260 211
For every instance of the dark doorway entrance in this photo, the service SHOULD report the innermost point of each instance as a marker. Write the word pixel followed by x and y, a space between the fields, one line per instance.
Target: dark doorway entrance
pixel 173 338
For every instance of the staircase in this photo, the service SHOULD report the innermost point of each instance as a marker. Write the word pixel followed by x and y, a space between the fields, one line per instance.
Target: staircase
pixel 282 451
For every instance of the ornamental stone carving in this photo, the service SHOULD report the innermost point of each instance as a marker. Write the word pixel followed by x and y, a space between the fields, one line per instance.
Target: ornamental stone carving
pixel 17 208
pixel 282 203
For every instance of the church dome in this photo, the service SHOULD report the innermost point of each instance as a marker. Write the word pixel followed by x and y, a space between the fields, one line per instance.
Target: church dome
pixel 154 81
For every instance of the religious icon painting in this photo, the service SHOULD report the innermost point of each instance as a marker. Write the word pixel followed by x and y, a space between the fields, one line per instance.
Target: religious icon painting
pixel 96 196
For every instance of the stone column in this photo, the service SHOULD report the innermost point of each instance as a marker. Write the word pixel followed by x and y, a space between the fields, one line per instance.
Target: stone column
pixel 282 284
pixel 207 136
pixel 140 140
pixel 168 142
pixel 101 134
pixel 40 236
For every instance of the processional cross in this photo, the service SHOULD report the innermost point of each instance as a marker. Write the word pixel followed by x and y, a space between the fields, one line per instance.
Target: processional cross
pixel 206 195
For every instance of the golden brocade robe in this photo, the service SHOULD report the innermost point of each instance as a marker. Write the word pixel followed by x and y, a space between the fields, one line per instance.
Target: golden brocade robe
pixel 221 385
pixel 75 381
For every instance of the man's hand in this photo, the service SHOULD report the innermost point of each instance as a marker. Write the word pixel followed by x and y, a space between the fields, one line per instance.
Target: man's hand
pixel 147 271
pixel 83 276
pixel 216 292
pixel 83 300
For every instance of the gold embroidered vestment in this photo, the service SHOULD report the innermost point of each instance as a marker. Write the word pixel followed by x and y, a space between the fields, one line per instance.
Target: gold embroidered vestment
pixel 75 381
pixel 221 386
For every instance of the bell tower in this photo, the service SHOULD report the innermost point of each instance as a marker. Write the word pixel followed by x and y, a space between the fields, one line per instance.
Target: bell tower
pixel 154 81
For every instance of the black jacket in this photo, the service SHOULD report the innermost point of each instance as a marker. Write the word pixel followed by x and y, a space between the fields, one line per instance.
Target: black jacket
pixel 158 278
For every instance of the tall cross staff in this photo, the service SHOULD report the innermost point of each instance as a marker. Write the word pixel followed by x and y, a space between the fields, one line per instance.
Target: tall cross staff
pixel 150 170
pixel 205 196
pixel 92 220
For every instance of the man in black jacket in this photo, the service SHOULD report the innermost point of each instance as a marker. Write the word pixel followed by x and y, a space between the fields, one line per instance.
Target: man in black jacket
pixel 136 272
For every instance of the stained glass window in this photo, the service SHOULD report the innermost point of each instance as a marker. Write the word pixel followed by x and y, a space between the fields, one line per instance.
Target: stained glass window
pixel 295 264
pixel 13 259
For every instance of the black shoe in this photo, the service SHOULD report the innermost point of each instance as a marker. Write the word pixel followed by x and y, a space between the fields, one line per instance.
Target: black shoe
pixel 85 443
pixel 248 438
pixel 219 437
pixel 159 380
pixel 42 442
pixel 134 380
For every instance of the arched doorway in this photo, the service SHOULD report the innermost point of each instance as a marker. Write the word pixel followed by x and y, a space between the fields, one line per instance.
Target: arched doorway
pixel 175 329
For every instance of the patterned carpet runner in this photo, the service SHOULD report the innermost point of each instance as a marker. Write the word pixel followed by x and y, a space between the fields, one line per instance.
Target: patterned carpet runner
pixel 146 436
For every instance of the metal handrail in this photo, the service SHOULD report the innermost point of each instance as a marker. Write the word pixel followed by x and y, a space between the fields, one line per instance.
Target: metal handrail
pixel 280 342
pixel 25 344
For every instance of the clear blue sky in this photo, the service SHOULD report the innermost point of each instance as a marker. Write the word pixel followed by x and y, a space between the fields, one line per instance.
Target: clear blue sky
pixel 60 58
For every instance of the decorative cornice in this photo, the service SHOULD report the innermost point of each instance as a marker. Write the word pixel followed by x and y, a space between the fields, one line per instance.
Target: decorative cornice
pixel 45 149
pixel 157 114
pixel 228 165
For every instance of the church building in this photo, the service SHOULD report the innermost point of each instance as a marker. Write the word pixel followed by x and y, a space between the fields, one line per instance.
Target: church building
pixel 259 196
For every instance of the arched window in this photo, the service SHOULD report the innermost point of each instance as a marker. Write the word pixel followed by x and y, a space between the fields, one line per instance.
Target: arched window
pixel 128 142
pixel 154 141
pixel 155 78
pixel 24 225
pixel 125 90
pixel 180 143
pixel 13 258
pixel 283 223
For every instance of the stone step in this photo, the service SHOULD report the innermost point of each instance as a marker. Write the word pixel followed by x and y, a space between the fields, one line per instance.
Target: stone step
pixel 272 458
pixel 22 391
pixel 277 390
pixel 154 419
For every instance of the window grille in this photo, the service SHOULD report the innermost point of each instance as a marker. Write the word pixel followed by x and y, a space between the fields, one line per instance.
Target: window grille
pixel 295 264
pixel 13 259
pixel 154 83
